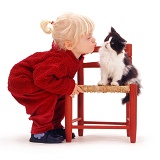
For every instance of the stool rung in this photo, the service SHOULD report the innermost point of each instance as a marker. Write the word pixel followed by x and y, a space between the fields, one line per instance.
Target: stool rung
pixel 99 127
pixel 76 119
pixel 100 122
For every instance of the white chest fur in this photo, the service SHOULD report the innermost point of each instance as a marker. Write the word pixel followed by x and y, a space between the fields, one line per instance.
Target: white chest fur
pixel 111 65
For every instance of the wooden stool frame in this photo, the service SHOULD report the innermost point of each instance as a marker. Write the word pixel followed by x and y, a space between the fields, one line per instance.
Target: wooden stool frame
pixel 131 107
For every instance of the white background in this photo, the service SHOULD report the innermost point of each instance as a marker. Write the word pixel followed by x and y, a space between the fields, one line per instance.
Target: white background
pixel 21 35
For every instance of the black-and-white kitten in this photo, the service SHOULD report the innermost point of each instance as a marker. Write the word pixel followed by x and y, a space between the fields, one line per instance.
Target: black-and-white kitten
pixel 116 67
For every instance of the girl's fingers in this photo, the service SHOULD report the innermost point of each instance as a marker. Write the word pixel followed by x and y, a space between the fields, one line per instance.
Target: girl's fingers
pixel 79 89
pixel 72 95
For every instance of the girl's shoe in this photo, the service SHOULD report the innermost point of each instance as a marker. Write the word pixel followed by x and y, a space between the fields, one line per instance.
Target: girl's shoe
pixel 61 132
pixel 47 137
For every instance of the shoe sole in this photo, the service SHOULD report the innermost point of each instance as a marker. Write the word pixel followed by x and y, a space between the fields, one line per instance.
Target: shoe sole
pixel 34 141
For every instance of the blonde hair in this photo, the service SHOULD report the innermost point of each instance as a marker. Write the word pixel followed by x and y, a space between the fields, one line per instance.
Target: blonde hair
pixel 68 26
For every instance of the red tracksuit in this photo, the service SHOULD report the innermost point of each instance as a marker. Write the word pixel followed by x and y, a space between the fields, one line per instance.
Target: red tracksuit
pixel 40 81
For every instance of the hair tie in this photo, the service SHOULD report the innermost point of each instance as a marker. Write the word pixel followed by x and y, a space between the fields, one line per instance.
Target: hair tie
pixel 52 22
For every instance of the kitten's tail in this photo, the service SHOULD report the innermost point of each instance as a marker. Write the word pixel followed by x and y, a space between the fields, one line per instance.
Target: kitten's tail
pixel 126 98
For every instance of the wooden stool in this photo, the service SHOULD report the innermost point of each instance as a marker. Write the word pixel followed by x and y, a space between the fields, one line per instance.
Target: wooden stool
pixel 131 107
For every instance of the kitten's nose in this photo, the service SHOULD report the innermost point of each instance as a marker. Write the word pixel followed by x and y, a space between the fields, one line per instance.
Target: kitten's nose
pixel 107 42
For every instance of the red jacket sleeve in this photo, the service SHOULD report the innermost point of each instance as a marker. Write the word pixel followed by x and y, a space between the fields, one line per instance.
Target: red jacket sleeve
pixel 54 77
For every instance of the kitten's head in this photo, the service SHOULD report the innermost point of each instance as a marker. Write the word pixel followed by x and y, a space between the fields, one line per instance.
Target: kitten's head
pixel 114 41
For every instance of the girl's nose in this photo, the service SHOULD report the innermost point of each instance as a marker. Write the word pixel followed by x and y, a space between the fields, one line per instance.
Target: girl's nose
pixel 93 40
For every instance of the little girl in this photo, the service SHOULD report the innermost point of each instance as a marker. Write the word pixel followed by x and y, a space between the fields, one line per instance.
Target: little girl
pixel 40 81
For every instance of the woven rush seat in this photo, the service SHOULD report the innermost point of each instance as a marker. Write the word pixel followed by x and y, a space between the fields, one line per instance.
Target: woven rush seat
pixel 104 89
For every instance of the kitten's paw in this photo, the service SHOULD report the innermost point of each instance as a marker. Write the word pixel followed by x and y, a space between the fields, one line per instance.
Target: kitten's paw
pixel 114 84
pixel 101 83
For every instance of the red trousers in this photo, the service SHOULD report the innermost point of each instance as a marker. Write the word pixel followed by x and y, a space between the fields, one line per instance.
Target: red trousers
pixel 46 110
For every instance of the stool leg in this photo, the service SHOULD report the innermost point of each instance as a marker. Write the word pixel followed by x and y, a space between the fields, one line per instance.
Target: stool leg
pixel 133 112
pixel 81 112
pixel 127 117
pixel 68 118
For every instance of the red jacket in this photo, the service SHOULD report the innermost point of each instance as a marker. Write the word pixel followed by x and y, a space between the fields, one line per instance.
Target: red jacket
pixel 52 71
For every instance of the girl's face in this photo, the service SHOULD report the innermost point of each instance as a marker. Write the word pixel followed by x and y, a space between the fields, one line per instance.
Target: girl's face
pixel 85 45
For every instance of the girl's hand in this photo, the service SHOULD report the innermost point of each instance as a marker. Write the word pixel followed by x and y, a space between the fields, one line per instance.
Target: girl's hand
pixel 76 90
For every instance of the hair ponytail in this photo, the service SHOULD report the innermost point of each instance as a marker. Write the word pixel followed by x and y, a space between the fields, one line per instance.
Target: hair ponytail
pixel 45 26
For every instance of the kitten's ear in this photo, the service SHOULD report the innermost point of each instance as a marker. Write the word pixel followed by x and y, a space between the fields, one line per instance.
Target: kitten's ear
pixel 113 30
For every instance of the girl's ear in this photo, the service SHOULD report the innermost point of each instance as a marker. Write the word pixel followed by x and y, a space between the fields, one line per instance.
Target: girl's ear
pixel 68 45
